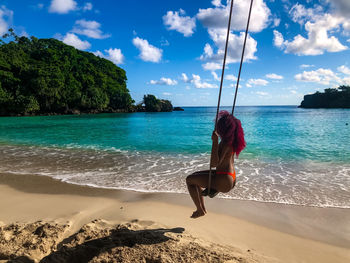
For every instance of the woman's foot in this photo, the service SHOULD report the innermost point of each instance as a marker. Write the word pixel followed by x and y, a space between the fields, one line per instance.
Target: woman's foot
pixel 198 213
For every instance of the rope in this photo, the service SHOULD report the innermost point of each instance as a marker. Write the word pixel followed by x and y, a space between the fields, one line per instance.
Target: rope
pixel 221 83
pixel 223 72
pixel 240 66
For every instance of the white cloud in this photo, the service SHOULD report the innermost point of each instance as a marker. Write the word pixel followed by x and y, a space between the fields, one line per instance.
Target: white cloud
pixel 113 54
pixel 89 28
pixel 300 14
pixel 262 93
pixel 87 7
pixel 306 66
pixel 147 51
pixel 197 82
pixel 274 76
pixel 234 48
pixel 342 6
pixel 164 81
pixel 164 42
pixel 208 50
pixel 73 40
pixel 216 3
pixel 211 66
pixel 185 78
pixel 217 17
pixel 341 11
pixel 215 20
pixel 344 69
pixel 278 39
pixel 21 32
pixel 320 76
pixel 215 76
pixel 346 81
pixel 276 22
pixel 256 82
pixel 167 94
pixel 177 21
pixel 316 44
pixel 5 19
pixel 62 6
pixel 231 77
pixel 319 27
pixel 99 54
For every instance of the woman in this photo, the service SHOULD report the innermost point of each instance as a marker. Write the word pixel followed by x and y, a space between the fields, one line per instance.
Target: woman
pixel 230 131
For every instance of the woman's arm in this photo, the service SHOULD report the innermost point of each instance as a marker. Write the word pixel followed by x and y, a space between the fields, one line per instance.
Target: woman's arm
pixel 214 150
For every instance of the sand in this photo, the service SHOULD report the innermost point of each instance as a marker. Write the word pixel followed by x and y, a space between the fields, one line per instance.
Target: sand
pixel 101 241
pixel 45 220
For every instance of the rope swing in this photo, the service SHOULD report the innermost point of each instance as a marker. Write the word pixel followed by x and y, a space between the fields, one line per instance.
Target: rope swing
pixel 208 191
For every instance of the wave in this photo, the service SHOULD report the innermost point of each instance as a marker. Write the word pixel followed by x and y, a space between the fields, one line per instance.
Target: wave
pixel 278 181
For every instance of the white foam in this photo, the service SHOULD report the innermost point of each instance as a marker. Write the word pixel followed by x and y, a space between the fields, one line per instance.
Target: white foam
pixel 305 184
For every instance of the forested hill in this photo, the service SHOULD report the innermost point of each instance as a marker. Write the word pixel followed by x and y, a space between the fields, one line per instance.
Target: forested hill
pixel 46 76
pixel 331 98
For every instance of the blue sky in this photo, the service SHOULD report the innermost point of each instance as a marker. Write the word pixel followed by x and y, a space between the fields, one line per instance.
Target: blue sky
pixel 173 49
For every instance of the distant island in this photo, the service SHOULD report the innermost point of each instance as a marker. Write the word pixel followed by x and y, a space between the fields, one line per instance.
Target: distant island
pixel 48 77
pixel 178 109
pixel 151 104
pixel 330 98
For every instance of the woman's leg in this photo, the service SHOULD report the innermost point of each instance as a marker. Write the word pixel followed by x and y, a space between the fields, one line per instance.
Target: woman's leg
pixel 198 180
pixel 195 182
pixel 199 188
pixel 201 198
pixel 192 189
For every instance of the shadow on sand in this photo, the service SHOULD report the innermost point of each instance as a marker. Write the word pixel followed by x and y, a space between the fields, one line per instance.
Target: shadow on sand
pixel 120 237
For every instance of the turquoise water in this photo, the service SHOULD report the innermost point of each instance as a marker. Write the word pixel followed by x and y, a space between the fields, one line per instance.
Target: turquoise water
pixel 290 151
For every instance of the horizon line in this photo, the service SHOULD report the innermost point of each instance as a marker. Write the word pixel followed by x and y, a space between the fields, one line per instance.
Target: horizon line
pixel 214 106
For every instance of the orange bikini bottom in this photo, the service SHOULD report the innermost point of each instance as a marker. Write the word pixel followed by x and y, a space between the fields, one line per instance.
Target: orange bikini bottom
pixel 232 174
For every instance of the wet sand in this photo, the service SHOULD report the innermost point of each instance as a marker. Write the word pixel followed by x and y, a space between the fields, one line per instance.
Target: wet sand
pixel 129 226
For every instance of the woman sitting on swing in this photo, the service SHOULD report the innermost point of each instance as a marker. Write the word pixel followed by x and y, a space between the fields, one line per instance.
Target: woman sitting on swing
pixel 223 179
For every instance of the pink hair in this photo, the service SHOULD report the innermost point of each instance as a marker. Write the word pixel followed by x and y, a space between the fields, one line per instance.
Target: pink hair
pixel 231 132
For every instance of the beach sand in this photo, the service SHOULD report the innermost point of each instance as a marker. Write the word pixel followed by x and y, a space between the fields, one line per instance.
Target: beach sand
pixel 45 220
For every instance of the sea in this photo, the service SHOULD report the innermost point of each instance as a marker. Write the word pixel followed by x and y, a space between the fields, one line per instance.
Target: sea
pixel 293 156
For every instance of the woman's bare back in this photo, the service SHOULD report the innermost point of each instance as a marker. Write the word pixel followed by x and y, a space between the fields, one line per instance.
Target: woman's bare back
pixel 226 158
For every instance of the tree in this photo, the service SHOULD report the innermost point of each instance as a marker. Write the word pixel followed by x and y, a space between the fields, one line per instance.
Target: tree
pixel 152 104
pixel 165 105
pixel 331 98
pixel 344 88
pixel 330 90
pixel 48 76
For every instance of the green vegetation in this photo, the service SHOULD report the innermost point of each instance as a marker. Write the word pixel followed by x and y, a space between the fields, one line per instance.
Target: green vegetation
pixel 152 104
pixel 331 98
pixel 44 76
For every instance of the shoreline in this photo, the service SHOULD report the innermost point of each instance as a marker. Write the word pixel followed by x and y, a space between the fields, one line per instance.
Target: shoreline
pixel 285 182
pixel 73 112
pixel 180 193
pixel 292 232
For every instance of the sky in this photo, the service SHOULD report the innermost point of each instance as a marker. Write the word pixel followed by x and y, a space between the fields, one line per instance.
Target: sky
pixel 174 49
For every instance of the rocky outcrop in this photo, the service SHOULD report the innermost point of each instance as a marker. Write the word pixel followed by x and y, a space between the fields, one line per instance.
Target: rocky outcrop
pixel 331 98
pixel 178 109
